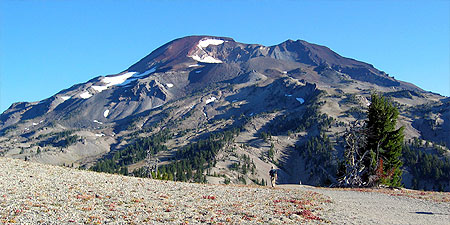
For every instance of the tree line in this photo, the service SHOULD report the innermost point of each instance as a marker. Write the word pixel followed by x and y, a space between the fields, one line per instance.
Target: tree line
pixel 135 152
pixel 425 167
pixel 190 162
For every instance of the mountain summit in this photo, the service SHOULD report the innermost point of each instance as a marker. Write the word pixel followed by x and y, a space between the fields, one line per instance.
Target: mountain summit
pixel 208 49
pixel 193 91
pixel 173 69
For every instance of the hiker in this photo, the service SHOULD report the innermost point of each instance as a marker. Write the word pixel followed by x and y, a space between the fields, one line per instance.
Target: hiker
pixel 273 176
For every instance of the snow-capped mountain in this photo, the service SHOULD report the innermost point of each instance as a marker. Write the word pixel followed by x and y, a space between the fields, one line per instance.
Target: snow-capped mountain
pixel 198 85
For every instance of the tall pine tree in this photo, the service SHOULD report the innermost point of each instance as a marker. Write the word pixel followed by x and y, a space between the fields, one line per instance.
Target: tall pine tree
pixel 384 141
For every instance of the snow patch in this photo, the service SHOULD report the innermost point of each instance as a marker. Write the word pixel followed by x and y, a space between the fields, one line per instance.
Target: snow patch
pixel 115 80
pixel 234 101
pixel 121 80
pixel 100 135
pixel 287 95
pixel 212 99
pixel 152 70
pixel 301 100
pixel 201 55
pixel 205 58
pixel 169 85
pixel 96 121
pixel 195 65
pixel 137 76
pixel 85 95
pixel 206 42
pixel 127 82
pixel 66 97
pixel 198 71
pixel 158 106
pixel 106 113
pixel 34 124
pixel 99 88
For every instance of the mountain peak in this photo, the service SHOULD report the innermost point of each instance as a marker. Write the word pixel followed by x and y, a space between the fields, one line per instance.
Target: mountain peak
pixel 187 51
pixel 175 52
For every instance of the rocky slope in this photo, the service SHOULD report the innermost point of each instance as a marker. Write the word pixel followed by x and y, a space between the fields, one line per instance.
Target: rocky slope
pixel 35 193
pixel 281 98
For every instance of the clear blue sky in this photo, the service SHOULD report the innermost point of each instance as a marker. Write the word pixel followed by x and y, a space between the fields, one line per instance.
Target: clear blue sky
pixel 46 46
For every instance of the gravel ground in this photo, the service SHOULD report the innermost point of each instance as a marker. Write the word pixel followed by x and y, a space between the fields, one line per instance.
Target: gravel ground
pixel 383 206
pixel 32 193
pixel 36 193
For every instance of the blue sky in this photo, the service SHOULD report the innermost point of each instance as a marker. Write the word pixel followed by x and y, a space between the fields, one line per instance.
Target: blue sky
pixel 46 46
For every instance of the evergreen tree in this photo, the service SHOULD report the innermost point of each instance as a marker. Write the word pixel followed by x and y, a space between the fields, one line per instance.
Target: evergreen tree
pixel 384 142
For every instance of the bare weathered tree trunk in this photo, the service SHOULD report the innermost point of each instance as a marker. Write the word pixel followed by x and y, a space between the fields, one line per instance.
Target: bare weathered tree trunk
pixel 355 141
pixel 151 165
